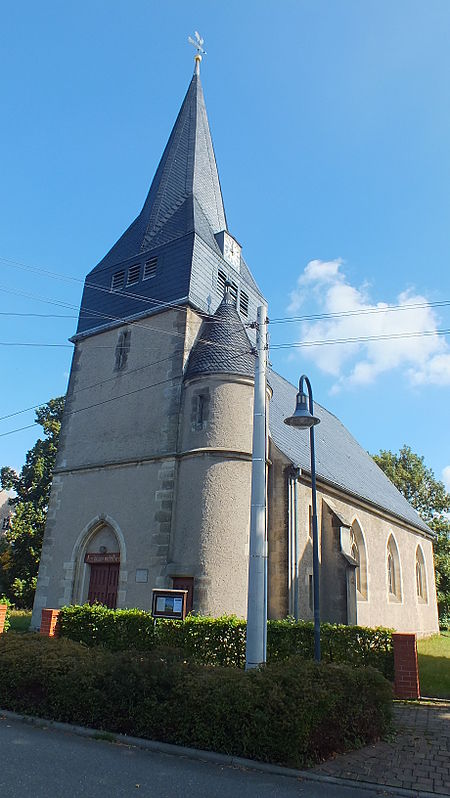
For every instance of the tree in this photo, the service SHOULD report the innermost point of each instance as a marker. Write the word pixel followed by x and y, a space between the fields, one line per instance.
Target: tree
pixel 428 495
pixel 19 560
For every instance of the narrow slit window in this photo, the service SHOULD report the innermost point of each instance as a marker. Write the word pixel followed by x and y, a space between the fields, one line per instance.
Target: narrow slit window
pixel 117 281
pixel 243 303
pixel 311 591
pixel 150 268
pixel 134 274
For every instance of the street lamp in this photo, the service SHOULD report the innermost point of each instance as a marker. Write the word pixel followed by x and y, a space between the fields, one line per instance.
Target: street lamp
pixel 304 418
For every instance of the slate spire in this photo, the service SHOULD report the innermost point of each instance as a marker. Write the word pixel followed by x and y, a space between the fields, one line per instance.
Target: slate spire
pixel 185 193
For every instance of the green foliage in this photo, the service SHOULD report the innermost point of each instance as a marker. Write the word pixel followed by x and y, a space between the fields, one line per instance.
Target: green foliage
pixel 221 641
pixel 19 558
pixel 434 665
pixel 417 482
pixel 290 712
pixel 4 600
pixel 431 500
pixel 441 547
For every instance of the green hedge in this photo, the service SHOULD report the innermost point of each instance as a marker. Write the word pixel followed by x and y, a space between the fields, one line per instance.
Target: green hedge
pixel 291 712
pixel 221 641
pixel 4 600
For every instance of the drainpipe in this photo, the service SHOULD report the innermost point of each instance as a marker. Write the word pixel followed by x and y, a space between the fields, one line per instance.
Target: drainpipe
pixel 293 553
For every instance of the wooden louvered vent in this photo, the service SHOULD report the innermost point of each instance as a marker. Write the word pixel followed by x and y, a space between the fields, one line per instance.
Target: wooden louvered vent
pixel 221 282
pixel 243 303
pixel 133 274
pixel 117 281
pixel 234 292
pixel 150 268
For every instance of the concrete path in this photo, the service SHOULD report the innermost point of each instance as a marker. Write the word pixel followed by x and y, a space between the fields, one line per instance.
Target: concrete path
pixel 40 762
pixel 417 758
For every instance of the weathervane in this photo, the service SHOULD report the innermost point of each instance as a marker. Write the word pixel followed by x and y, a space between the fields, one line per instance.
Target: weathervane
pixel 198 44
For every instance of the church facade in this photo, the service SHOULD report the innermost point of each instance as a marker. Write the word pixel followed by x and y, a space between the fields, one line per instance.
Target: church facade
pixel 152 481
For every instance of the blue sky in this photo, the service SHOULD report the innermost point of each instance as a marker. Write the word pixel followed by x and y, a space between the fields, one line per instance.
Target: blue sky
pixel 331 123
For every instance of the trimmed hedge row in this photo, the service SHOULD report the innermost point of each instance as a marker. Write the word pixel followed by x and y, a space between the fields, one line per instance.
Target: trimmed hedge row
pixel 221 641
pixel 290 712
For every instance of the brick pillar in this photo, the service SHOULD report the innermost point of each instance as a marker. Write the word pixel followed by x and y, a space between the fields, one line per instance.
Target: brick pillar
pixel 406 669
pixel 49 623
pixel 3 608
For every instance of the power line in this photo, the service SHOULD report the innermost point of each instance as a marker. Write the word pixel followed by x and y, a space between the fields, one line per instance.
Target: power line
pixel 93 286
pixel 136 323
pixel 34 343
pixel 38 315
pixel 361 312
pixel 19 429
pixel 278 320
pixel 111 399
pixel 319 342
pixel 362 339
pixel 94 385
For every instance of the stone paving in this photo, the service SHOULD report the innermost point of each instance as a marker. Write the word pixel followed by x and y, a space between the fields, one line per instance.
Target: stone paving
pixel 417 758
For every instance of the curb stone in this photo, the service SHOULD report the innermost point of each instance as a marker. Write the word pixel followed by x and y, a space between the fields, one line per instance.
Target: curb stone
pixel 210 756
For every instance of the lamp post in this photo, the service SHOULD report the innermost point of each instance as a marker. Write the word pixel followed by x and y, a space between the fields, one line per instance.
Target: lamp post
pixel 304 418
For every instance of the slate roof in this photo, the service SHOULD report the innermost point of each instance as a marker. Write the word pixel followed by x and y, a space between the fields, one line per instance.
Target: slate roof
pixel 187 171
pixel 184 203
pixel 340 460
pixel 222 346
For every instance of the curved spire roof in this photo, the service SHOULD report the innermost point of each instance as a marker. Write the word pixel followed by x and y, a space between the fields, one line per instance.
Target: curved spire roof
pixel 223 345
pixel 185 187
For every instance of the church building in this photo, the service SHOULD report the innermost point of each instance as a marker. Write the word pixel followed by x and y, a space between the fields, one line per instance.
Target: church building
pixel 151 487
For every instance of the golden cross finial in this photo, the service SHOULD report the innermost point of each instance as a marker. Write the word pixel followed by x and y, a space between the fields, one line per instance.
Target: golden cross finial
pixel 198 44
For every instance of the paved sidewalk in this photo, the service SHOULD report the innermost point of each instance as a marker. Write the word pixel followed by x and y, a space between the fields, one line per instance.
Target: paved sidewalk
pixel 417 758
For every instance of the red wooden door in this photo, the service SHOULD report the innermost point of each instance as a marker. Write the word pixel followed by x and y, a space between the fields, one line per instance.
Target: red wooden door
pixel 185 583
pixel 103 584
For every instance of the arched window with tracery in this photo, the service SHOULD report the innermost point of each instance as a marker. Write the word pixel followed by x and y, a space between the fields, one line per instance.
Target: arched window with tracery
pixel 393 570
pixel 421 580
pixel 359 554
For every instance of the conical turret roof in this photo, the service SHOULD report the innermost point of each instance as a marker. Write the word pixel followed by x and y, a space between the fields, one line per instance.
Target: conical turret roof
pixel 223 345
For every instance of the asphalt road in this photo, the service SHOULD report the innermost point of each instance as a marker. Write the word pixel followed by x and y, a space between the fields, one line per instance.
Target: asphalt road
pixel 38 763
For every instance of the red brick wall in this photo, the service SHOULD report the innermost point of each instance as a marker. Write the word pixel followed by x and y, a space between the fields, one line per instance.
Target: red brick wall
pixel 3 609
pixel 405 666
pixel 49 623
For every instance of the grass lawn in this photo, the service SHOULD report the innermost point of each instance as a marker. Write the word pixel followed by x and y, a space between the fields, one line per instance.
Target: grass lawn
pixel 434 666
pixel 20 620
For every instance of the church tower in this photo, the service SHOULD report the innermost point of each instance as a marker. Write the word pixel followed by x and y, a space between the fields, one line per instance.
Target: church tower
pixel 152 482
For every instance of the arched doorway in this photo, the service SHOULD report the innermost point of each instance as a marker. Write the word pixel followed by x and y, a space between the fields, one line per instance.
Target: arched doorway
pixel 99 555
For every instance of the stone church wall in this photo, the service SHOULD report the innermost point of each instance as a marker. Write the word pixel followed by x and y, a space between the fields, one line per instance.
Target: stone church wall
pixel 116 458
pixel 375 606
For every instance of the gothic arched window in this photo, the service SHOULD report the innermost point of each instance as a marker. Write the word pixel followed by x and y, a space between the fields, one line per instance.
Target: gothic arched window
pixel 359 554
pixel 393 570
pixel 421 581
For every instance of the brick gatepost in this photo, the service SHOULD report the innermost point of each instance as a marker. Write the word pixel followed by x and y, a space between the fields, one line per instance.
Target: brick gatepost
pixel 50 623
pixel 3 608
pixel 406 670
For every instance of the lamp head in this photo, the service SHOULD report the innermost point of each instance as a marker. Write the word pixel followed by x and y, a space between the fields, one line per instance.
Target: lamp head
pixel 302 417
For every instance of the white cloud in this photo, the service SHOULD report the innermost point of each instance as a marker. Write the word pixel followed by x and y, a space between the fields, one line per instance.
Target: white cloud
pixel 421 359
pixel 446 477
